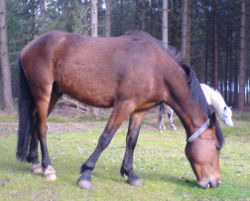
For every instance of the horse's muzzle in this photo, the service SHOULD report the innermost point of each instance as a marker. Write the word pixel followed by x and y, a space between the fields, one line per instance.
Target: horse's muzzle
pixel 208 183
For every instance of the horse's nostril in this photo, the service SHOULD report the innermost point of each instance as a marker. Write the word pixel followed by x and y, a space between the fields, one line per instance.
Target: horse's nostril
pixel 203 184
pixel 209 183
pixel 215 184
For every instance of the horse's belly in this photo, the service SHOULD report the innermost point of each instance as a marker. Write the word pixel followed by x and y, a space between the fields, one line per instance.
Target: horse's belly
pixel 91 92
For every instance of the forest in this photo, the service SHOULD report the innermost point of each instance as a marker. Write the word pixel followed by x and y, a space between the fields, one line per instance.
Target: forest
pixel 213 36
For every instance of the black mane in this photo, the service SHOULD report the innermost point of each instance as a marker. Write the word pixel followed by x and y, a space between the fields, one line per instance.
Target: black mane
pixel 197 94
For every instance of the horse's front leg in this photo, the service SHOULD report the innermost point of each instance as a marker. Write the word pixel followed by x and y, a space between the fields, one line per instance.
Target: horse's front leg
pixel 132 136
pixel 119 114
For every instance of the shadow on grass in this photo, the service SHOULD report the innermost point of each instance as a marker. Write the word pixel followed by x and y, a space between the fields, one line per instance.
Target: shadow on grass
pixel 114 173
pixel 179 181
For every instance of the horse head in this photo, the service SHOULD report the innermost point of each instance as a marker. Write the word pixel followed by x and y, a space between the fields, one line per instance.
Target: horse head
pixel 202 150
pixel 227 116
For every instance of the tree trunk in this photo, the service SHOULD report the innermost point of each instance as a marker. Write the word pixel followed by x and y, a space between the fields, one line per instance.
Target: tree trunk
pixel 5 66
pixel 143 24
pixel 107 18
pixel 188 32
pixel 215 45
pixel 70 21
pixel 206 58
pixel 174 29
pixel 85 18
pixel 42 4
pixel 94 18
pixel 242 64
pixel 230 101
pixel 165 23
pixel 236 81
pixel 42 7
pixel 136 14
pixel 33 20
pixel 185 49
pixel 94 33
pixel 227 58
pixel 121 17
pixel 152 17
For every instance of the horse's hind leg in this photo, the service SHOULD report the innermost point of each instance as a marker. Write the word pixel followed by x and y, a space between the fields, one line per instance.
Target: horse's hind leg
pixel 119 114
pixel 36 167
pixel 131 139
pixel 170 116
pixel 161 126
pixel 33 149
pixel 42 96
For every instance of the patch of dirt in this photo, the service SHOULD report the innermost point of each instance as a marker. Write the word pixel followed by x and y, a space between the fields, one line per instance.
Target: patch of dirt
pixel 70 112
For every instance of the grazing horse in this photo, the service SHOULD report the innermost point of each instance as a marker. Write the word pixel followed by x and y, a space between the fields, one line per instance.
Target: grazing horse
pixel 213 98
pixel 131 73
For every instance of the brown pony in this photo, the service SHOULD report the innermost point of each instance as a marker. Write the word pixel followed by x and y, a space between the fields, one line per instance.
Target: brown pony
pixel 131 73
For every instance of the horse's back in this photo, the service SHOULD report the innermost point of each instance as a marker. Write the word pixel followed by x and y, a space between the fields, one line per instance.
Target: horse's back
pixel 97 71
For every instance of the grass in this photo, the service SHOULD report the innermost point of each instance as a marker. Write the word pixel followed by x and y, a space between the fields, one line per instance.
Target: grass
pixel 57 119
pixel 245 116
pixel 90 117
pixel 8 118
pixel 159 160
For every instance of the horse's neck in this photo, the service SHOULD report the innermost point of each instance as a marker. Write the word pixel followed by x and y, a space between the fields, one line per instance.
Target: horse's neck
pixel 187 109
pixel 190 115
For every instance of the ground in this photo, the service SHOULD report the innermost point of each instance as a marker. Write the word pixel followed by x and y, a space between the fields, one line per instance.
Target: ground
pixel 159 161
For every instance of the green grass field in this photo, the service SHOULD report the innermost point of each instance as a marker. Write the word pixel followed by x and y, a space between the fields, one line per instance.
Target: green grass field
pixel 159 160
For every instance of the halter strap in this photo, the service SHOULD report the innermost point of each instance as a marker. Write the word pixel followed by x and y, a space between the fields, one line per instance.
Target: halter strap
pixel 199 131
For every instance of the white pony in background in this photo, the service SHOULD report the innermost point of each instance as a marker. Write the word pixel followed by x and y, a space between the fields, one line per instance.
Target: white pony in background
pixel 213 98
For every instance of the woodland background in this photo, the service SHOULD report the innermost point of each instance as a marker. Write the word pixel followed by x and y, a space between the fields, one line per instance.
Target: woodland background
pixel 212 35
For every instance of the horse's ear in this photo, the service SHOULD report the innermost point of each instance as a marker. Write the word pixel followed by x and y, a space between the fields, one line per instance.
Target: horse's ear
pixel 211 109
pixel 212 120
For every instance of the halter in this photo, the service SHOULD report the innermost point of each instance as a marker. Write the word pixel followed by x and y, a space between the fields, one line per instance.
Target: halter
pixel 199 131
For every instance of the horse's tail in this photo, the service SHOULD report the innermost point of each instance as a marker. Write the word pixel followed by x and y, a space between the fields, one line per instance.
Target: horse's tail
pixel 26 109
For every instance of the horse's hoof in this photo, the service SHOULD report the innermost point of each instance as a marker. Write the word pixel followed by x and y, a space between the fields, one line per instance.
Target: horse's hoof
pixel 50 177
pixel 174 127
pixel 84 184
pixel 135 182
pixel 36 168
pixel 50 173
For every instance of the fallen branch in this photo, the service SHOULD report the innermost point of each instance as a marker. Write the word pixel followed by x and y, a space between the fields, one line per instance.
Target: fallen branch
pixel 72 103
